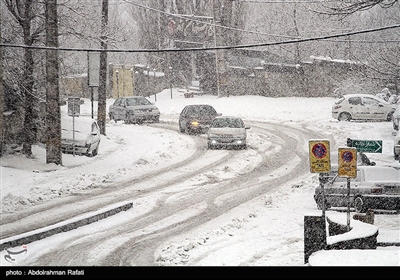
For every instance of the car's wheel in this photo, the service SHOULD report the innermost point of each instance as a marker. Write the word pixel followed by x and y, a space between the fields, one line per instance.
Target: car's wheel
pixel 96 151
pixel 187 130
pixel 112 117
pixel 156 119
pixel 344 117
pixel 396 156
pixel 359 204
pixel 395 127
pixel 127 119
pixel 181 128
pixel 390 116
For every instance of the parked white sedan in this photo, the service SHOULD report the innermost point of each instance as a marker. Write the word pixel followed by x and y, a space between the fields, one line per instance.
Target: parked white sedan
pixel 80 136
pixel 362 107
pixel 396 118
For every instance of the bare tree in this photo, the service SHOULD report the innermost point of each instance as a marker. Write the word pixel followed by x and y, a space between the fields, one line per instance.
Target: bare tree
pixel 28 14
pixel 101 113
pixel 345 8
pixel 1 99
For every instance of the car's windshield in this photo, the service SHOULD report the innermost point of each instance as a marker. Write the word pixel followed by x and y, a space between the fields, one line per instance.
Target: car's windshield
pixel 227 122
pixel 202 110
pixel 137 101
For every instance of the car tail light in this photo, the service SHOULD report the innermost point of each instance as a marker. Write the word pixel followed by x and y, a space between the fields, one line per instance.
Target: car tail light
pixel 376 190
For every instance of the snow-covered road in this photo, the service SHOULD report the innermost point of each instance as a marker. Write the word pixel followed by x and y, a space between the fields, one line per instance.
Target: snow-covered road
pixel 191 206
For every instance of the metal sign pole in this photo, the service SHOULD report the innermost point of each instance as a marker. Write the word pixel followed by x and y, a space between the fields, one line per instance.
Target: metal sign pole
pixel 91 99
pixel 323 202
pixel 73 128
pixel 348 204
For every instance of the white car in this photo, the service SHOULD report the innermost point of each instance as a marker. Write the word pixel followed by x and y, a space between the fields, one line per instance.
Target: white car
pixel 86 138
pixel 396 146
pixel 362 107
pixel 227 132
pixel 396 118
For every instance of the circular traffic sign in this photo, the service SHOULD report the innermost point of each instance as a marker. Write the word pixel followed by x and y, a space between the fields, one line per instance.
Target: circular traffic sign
pixel 319 150
pixel 347 156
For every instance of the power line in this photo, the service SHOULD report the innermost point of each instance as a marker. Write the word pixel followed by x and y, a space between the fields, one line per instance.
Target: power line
pixel 285 1
pixel 208 48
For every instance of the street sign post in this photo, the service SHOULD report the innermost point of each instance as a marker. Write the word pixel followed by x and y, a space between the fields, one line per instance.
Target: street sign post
pixel 319 151
pixel 74 104
pixel 347 165
pixel 320 161
pixel 367 146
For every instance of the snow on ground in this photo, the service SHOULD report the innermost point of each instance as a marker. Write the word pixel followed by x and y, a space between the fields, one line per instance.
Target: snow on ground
pixel 241 236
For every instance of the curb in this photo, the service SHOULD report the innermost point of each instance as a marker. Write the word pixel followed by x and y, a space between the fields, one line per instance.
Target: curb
pixel 41 234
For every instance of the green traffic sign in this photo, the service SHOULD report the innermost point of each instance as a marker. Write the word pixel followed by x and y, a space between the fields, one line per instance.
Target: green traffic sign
pixel 367 146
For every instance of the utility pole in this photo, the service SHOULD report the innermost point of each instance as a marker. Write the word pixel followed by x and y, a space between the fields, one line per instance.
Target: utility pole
pixel 102 103
pixel 222 11
pixel 53 115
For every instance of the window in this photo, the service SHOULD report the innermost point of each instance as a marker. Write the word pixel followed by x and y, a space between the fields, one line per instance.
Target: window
pixel 355 100
pixel 118 102
pixel 131 102
pixel 143 101
pixel 95 128
pixel 371 102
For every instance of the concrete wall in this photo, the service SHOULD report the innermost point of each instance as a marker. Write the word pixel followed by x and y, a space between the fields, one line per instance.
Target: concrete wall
pixel 360 236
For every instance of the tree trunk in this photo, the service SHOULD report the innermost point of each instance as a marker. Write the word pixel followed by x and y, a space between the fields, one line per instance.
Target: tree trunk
pixel 1 100
pixel 102 104
pixel 53 115
pixel 30 129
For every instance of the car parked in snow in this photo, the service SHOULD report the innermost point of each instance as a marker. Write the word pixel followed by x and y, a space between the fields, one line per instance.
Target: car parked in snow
pixel 80 136
pixel 134 109
pixel 396 118
pixel 375 187
pixel 362 107
pixel 196 118
pixel 396 145
pixel 227 132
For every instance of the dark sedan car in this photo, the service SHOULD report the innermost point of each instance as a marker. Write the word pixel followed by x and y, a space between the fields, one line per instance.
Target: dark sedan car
pixel 196 118
pixel 134 109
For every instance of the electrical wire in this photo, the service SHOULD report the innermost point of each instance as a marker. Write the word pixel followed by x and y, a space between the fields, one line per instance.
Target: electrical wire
pixel 207 48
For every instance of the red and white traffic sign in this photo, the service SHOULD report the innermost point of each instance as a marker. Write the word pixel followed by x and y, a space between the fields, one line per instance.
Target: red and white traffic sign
pixel 319 156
